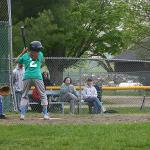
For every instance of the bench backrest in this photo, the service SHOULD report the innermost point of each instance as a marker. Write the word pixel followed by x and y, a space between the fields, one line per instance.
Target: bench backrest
pixel 49 92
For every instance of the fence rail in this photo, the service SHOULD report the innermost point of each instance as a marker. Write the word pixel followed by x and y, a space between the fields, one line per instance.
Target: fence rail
pixel 103 87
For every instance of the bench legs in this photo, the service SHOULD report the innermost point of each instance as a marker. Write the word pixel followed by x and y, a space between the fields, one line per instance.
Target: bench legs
pixel 62 105
pixel 59 105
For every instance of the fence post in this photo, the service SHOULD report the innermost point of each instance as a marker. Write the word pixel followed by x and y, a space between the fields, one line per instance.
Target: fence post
pixel 5 48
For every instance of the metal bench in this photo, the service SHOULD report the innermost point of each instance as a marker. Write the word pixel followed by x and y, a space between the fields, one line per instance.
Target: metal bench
pixel 53 96
pixel 53 102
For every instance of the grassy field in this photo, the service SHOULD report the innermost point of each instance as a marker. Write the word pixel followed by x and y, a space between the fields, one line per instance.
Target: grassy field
pixel 119 110
pixel 132 110
pixel 75 137
pixel 126 93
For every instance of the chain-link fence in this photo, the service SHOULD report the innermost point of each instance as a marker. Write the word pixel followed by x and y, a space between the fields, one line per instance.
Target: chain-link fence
pixel 104 73
pixel 5 48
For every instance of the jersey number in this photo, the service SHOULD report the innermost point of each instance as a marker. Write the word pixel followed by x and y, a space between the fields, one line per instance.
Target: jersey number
pixel 33 64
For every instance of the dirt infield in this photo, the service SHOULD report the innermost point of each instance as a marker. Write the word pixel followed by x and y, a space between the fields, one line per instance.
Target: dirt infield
pixel 76 119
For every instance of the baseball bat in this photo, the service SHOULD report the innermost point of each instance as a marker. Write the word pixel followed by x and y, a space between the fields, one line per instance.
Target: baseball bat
pixel 23 36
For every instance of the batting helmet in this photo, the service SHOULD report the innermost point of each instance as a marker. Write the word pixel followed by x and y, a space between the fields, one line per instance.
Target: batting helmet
pixel 36 46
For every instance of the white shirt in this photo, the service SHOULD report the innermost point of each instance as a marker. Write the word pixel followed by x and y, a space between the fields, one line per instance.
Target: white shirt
pixel 89 91
pixel 18 78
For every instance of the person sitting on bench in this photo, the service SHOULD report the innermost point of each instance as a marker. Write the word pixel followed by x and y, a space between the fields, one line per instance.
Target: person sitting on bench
pixel 68 93
pixel 90 95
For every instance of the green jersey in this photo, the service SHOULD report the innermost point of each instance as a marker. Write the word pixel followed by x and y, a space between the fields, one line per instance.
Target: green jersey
pixel 32 67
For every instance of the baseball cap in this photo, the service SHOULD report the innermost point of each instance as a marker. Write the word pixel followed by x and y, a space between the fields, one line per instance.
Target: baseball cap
pixel 90 79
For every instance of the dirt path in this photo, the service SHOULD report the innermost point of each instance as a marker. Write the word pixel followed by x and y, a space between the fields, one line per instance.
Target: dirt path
pixel 76 119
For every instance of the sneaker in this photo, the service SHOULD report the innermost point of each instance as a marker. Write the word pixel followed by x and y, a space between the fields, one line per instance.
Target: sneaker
pixel 46 117
pixel 103 109
pixel 21 117
pixel 2 116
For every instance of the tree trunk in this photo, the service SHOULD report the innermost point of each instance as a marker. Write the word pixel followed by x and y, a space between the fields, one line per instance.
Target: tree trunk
pixel 56 76
pixel 56 71
pixel 56 68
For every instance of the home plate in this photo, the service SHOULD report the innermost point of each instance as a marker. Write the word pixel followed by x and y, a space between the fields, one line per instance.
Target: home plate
pixel 50 119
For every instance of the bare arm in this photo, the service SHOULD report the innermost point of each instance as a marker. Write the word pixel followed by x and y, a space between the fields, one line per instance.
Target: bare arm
pixel 43 63
pixel 23 51
pixel 84 93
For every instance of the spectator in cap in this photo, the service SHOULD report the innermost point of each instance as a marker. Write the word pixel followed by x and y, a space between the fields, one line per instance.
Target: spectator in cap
pixel 90 95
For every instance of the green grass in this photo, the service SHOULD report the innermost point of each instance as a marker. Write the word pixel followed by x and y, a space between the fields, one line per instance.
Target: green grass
pixel 122 110
pixel 125 93
pixel 75 137
pixel 85 111
pixel 132 110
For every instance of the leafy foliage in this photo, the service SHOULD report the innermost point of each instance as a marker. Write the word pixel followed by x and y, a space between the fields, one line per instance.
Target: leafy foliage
pixel 98 26
pixel 73 28
pixel 105 26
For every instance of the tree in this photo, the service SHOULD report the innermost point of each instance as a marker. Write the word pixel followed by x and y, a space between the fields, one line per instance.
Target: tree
pixel 52 37
pixel 104 26
pixel 21 9
pixel 99 26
